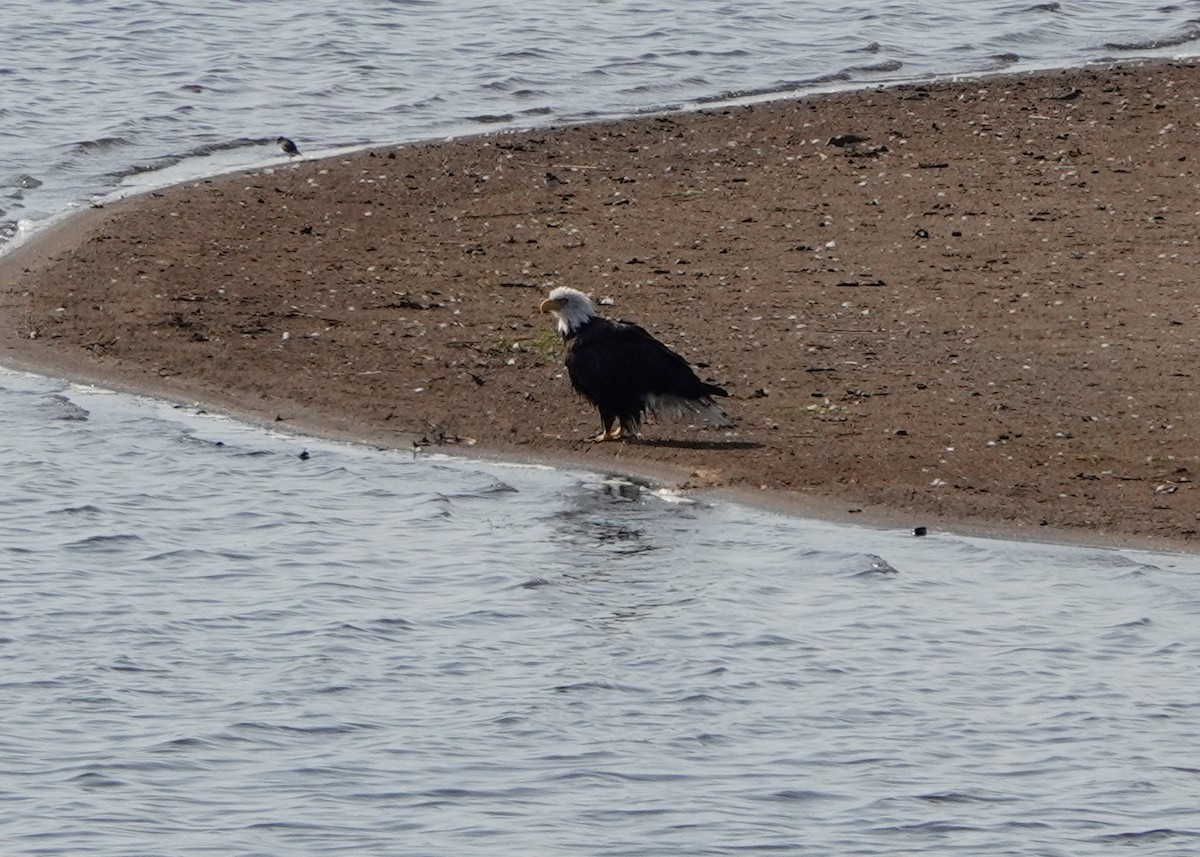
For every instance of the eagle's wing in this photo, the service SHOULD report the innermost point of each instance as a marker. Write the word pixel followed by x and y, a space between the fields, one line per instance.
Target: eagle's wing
pixel 622 363
pixel 665 372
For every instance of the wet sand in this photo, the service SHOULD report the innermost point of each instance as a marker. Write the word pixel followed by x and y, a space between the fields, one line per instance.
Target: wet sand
pixel 981 315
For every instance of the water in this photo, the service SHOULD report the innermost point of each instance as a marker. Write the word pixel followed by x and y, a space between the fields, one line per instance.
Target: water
pixel 220 640
pixel 97 95
pixel 212 643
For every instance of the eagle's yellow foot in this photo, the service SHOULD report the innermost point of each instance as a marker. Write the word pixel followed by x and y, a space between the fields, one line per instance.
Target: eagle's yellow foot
pixel 608 434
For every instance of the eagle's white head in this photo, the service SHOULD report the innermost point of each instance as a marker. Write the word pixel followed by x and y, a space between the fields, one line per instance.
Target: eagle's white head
pixel 571 309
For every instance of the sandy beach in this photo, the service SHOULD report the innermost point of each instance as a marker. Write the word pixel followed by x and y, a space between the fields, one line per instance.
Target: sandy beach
pixel 966 305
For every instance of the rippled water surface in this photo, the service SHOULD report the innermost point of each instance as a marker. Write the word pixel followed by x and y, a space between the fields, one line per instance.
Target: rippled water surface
pixel 93 93
pixel 217 640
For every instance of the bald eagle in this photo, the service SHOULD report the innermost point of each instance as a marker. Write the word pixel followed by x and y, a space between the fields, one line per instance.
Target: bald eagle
pixel 624 371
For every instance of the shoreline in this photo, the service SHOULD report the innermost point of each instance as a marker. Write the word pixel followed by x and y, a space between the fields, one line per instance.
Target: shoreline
pixel 814 507
pixel 920 326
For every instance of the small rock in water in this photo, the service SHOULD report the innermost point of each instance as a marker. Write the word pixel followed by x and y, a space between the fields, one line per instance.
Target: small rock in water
pixel 878 565
pixel 62 408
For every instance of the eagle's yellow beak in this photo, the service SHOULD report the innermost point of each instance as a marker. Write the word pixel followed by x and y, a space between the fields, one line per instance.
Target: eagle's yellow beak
pixel 549 305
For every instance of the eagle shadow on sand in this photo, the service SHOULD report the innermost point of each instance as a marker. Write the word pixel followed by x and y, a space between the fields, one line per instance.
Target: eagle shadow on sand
pixel 718 445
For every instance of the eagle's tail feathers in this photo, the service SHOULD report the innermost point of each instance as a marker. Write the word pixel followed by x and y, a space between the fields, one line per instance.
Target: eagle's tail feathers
pixel 703 411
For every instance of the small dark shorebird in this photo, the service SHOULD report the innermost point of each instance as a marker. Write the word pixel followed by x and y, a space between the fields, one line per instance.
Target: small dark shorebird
pixel 288 147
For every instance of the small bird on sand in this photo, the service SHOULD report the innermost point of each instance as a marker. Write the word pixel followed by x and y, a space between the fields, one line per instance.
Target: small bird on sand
pixel 1066 96
pixel 288 147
